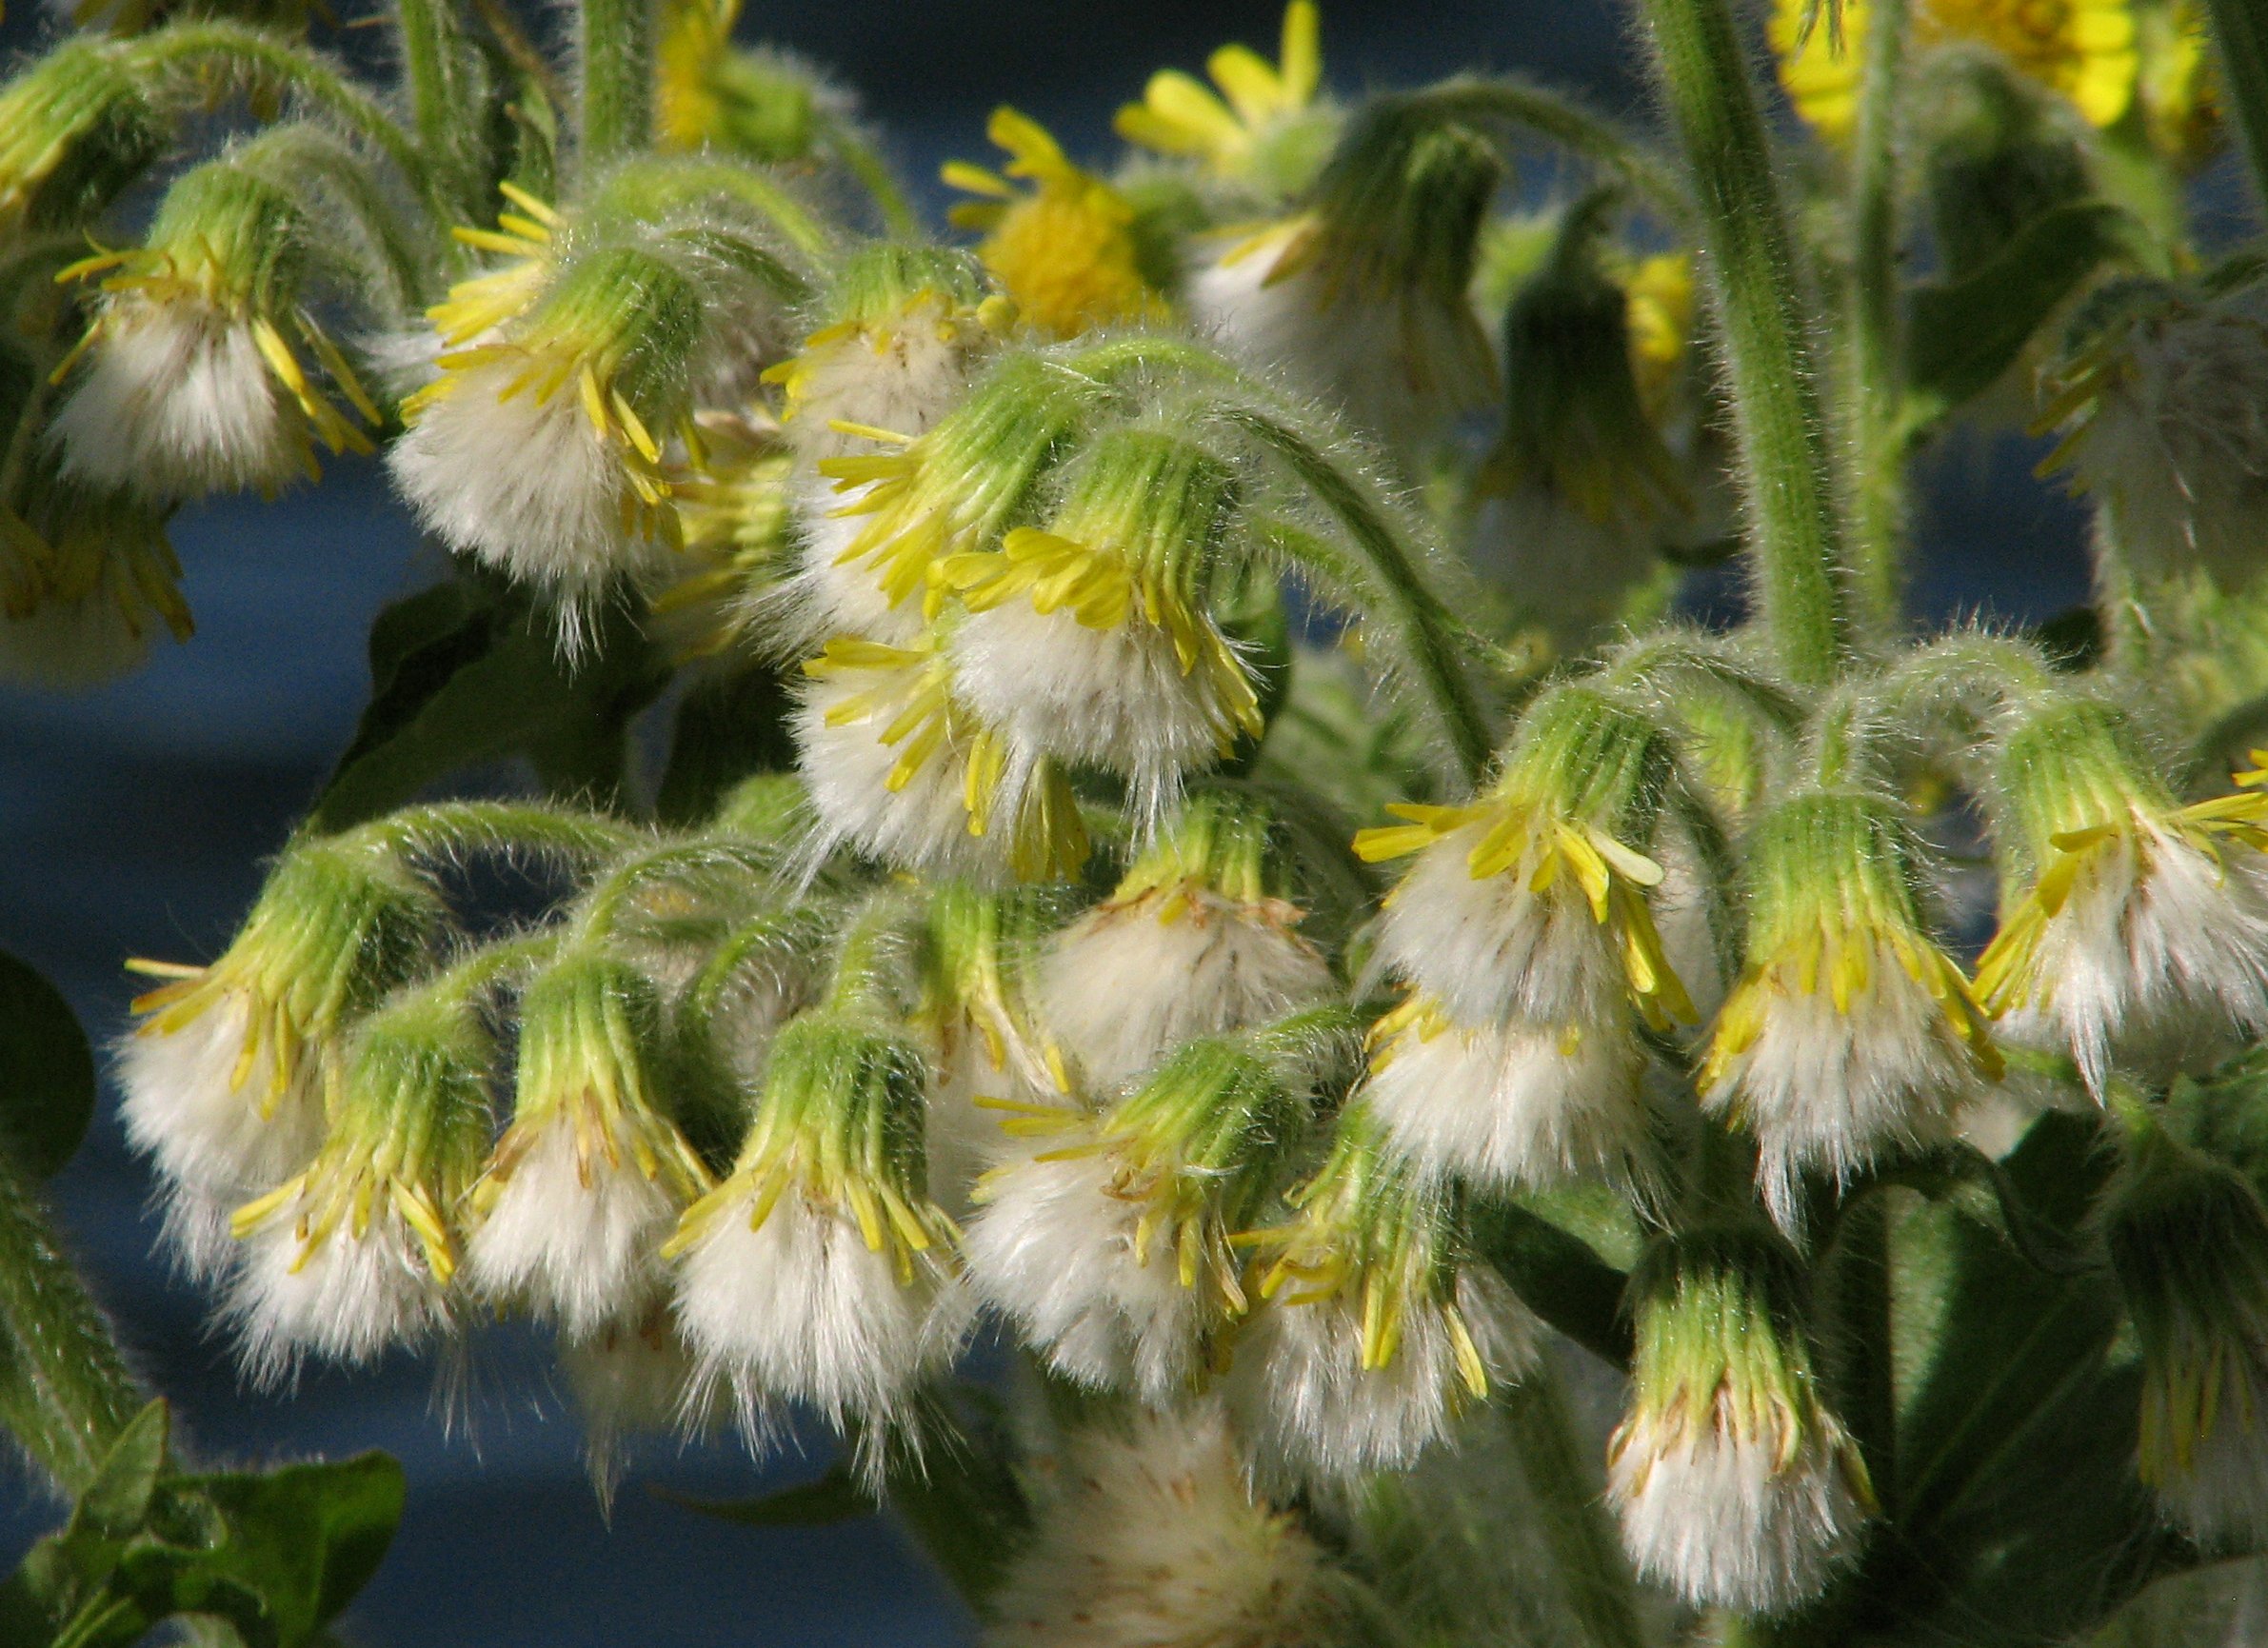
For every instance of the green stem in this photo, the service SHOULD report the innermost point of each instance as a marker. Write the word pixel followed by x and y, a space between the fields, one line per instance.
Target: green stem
pixel 1779 431
pixel 618 48
pixel 63 1387
pixel 2241 27
pixel 1574 128
pixel 1875 368
pixel 266 60
pixel 448 830
pixel 1586 1556
pixel 449 90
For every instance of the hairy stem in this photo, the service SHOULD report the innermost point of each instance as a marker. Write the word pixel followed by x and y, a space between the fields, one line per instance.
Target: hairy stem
pixel 1782 438
pixel 618 46
pixel 65 1391
pixel 448 96
pixel 2241 27
pixel 1576 130
pixel 1875 379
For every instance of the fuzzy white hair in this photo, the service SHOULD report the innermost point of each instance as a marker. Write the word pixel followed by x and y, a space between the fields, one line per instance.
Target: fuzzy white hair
pixel 347 1297
pixel 800 1310
pixel 1120 989
pixel 900 375
pixel 1150 1538
pixel 177 401
pixel 2218 1495
pixel 827 596
pixel 1514 1106
pixel 194 1104
pixel 633 1377
pixel 573 1233
pixel 1726 1521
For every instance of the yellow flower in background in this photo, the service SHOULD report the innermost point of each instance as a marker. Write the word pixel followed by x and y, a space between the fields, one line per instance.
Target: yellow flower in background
pixel 2084 49
pixel 1180 117
pixel 1063 247
pixel 2179 88
pixel 1658 298
pixel 695 35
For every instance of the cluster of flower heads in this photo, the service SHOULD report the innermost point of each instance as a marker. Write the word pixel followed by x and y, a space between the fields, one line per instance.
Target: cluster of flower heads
pixel 1048 990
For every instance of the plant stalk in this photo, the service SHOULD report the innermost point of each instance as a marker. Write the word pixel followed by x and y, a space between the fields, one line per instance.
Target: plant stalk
pixel 1586 1555
pixel 2241 28
pixel 446 80
pixel 1779 431
pixel 65 1391
pixel 618 57
pixel 1876 362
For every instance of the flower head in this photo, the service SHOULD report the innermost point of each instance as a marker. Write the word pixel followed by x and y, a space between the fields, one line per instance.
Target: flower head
pixel 1375 1333
pixel 707 93
pixel 2141 928
pixel 1261 126
pixel 737 517
pixel 1197 939
pixel 592 1175
pixel 75 129
pixel 1089 640
pixel 87 577
pixel 230 1073
pixel 820 1272
pixel 358 1251
pixel 1065 249
pixel 202 371
pixel 2188 1242
pixel 1735 1485
pixel 1849 1032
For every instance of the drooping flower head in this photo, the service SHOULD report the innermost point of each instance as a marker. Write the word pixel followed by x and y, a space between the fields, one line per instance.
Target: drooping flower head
pixel 1849 1033
pixel 203 369
pixel 1362 294
pixel 736 515
pixel 2133 927
pixel 1065 249
pixel 592 1175
pixel 88 578
pixel 75 129
pixel 1262 127
pixel 820 1272
pixel 2084 49
pixel 1735 1485
pixel 1089 640
pixel 1376 1331
pixel 230 1072
pixel 1107 1238
pixel 2188 1240
pixel 358 1252
pixel 1198 937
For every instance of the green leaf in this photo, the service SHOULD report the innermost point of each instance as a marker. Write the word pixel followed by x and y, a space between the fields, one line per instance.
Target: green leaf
pixel 731 724
pixel 1557 1273
pixel 46 1072
pixel 468 672
pixel 819 1503
pixel 1966 332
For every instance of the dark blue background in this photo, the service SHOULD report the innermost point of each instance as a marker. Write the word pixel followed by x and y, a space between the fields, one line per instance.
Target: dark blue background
pixel 133 821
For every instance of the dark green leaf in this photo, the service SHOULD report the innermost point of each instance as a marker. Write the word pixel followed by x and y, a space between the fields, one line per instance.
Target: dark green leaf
pixel 1965 333
pixel 962 1501
pixel 46 1072
pixel 730 724
pixel 819 1503
pixel 1558 1273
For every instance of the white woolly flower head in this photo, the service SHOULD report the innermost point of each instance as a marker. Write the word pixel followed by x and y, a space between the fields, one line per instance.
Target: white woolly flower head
pixel 1850 1034
pixel 820 1272
pixel 591 1177
pixel 1149 1538
pixel 88 578
pixel 1734 1485
pixel 1364 293
pixel 2165 407
pixel 1374 1334
pixel 229 1074
pixel 358 1253
pixel 1196 939
pixel 2188 1242
pixel 631 1377
pixel 1530 903
pixel 1512 1105
pixel 899 767
pixel 1090 639
pixel 2144 931
pixel 1107 1238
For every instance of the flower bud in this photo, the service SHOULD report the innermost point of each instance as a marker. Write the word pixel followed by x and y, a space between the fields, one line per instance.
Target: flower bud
pixel 75 130
pixel 1065 249
pixel 357 1253
pixel 1376 1331
pixel 820 1272
pixel 229 1073
pixel 1197 939
pixel 1151 1538
pixel 1090 641
pixel 1364 293
pixel 2188 1242
pixel 1268 134
pixel 2141 930
pixel 592 1174
pixel 1109 1247
pixel 1735 1485
pixel 1850 1033
pixel 195 375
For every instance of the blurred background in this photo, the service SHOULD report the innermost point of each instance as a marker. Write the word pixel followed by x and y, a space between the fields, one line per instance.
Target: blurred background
pixel 136 818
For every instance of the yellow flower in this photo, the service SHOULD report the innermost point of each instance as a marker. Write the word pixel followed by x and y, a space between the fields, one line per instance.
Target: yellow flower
pixel 1179 116
pixel 1659 295
pixel 487 301
pixel 738 522
pixel 2178 88
pixel 2084 49
pixel 1063 249
pixel 695 36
